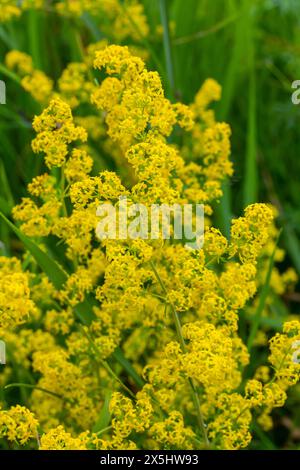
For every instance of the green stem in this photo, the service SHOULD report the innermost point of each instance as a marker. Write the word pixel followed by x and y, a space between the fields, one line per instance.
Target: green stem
pixel 19 384
pixel 202 34
pixel 102 431
pixel 105 364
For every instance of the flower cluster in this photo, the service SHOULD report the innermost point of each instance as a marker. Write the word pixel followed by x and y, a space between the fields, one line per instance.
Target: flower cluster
pixel 15 303
pixel 55 130
pixel 33 81
pixel 135 344
pixel 18 424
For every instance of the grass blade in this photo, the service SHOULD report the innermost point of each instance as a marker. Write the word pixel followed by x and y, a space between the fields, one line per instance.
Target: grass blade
pixel 104 416
pixel 121 359
pixel 34 32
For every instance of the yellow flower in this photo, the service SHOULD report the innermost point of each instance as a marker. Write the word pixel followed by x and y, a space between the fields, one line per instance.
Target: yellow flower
pixel 59 439
pixel 55 131
pixel 18 424
pixel 15 303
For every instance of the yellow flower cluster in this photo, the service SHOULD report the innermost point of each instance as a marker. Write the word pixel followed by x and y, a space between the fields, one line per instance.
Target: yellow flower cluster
pixel 55 130
pixel 15 303
pixel 74 85
pixel 37 218
pixel 171 433
pixel 129 417
pixel 8 10
pixel 121 20
pixel 250 233
pixel 33 81
pixel 58 439
pixel 284 356
pixel 18 425
pixel 229 430
pixel 71 389
pixel 145 332
pixel 209 149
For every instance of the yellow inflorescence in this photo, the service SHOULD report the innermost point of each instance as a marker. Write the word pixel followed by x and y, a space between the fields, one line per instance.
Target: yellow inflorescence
pixel 9 10
pixel 15 303
pixel 125 295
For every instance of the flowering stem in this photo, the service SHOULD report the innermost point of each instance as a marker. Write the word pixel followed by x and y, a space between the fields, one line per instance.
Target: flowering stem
pixel 102 431
pixel 178 327
pixel 9 74
pixel 289 350
pixel 106 366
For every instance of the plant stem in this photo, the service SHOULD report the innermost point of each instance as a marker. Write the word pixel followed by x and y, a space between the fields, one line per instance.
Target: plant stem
pixel 8 73
pixel 102 431
pixel 207 32
pixel 19 384
pixel 106 365
pixel 178 327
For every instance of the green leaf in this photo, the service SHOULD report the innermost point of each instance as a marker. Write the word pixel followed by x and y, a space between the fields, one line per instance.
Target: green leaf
pixel 84 312
pixel 104 415
pixel 121 359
